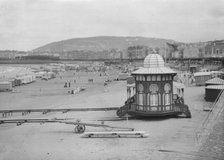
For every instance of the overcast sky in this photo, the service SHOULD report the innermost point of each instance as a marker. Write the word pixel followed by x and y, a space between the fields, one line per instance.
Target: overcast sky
pixel 27 24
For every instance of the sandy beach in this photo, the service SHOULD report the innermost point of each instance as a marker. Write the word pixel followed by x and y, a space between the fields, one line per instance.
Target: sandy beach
pixel 169 138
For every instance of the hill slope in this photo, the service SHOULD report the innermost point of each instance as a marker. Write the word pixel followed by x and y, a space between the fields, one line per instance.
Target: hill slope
pixel 101 43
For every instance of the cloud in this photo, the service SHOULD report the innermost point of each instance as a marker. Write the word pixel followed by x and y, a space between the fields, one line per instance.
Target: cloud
pixel 217 12
pixel 32 23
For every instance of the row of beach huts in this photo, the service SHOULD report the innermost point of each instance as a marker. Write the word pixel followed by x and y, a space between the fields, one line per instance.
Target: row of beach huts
pixel 213 82
pixel 15 76
pixel 7 85
pixel 18 77
pixel 202 77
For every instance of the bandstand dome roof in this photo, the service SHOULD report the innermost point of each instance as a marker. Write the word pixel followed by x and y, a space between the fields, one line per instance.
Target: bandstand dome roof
pixel 153 61
pixel 154 64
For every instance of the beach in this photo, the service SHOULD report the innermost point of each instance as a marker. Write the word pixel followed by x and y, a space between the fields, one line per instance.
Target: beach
pixel 169 137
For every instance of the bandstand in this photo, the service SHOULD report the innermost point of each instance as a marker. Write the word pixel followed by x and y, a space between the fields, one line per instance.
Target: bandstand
pixel 153 91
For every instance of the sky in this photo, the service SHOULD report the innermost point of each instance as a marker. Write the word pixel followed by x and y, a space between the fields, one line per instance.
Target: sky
pixel 28 24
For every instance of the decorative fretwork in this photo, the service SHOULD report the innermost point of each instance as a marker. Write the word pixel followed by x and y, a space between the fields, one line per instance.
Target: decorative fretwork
pixel 140 88
pixel 167 88
pixel 153 88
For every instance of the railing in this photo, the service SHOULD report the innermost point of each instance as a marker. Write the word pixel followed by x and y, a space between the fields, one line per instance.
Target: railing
pixel 216 110
pixel 158 108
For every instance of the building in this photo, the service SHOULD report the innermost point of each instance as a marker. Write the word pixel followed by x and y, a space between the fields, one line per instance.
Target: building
pixel 214 81
pixel 153 91
pixel 202 77
pixel 214 49
pixel 212 92
pixel 137 52
pixel 5 86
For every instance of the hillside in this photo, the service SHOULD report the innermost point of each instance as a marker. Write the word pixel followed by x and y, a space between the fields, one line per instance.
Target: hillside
pixel 100 43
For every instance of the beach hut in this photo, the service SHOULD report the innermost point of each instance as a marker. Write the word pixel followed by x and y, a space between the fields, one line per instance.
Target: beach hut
pixel 193 68
pixel 48 75
pixel 219 74
pixel 25 79
pixel 13 82
pixel 214 81
pixel 153 91
pixel 212 92
pixel 202 77
pixel 5 86
pixel 39 74
pixel 18 81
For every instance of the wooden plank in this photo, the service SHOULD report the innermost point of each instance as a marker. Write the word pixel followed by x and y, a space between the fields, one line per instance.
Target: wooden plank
pixel 115 134
pixel 207 109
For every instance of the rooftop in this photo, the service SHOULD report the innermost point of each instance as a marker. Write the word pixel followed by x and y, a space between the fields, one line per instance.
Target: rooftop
pixel 202 73
pixel 215 80
pixel 161 70
pixel 153 61
pixel 154 64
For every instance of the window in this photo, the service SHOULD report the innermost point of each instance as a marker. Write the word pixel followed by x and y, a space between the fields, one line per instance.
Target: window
pixel 159 99
pixel 140 94
pixel 148 99
pixel 167 99
pixel 154 97
pixel 167 95
pixel 140 78
pixel 148 78
pixel 153 78
pixel 167 77
pixel 140 99
pixel 217 51
pixel 158 77
pixel 154 100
